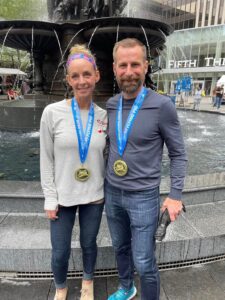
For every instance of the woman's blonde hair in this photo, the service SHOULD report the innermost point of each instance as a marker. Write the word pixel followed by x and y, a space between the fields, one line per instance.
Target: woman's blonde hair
pixel 81 48
pixel 81 51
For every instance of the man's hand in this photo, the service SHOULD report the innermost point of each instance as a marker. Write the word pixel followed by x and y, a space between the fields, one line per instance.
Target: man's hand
pixel 52 214
pixel 174 207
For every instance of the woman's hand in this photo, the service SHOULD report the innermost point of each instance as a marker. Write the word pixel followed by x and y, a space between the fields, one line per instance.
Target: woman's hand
pixel 52 214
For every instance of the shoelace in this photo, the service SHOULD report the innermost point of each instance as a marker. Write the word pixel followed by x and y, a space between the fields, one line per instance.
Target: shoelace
pixel 84 292
pixel 122 292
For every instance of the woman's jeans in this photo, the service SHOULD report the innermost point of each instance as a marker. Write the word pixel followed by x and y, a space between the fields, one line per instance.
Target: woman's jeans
pixel 61 234
pixel 132 219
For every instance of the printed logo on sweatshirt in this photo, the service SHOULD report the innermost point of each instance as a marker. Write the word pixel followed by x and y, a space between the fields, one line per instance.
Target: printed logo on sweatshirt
pixel 101 126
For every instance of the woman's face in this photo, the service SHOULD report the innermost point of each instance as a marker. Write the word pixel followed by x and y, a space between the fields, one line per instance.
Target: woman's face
pixel 82 77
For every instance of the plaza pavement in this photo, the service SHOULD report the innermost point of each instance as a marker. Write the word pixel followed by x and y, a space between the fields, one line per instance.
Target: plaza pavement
pixel 199 282
pixel 205 105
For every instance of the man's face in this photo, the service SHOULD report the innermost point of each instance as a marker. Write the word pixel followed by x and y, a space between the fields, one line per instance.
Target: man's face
pixel 130 68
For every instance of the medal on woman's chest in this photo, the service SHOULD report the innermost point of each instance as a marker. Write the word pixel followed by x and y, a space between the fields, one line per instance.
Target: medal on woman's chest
pixel 120 167
pixel 82 173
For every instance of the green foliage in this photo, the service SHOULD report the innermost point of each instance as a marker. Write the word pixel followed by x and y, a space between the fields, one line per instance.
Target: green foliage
pixel 12 58
pixel 20 10
pixel 23 10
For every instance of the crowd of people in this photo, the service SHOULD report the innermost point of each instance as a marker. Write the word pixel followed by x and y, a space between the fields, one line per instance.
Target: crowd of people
pixel 90 157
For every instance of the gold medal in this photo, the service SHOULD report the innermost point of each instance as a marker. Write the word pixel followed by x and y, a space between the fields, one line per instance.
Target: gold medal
pixel 120 167
pixel 82 174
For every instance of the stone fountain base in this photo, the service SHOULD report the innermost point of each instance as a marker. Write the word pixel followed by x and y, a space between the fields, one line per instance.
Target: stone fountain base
pixel 25 115
pixel 196 237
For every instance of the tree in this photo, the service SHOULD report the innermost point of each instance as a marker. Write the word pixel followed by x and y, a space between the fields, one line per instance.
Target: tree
pixel 20 10
pixel 24 10
pixel 14 58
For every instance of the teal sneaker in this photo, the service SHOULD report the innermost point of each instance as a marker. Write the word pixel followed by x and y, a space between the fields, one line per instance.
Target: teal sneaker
pixel 122 294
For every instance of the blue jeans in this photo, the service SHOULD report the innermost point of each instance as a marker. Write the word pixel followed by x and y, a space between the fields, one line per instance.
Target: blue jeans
pixel 61 234
pixel 132 219
pixel 218 102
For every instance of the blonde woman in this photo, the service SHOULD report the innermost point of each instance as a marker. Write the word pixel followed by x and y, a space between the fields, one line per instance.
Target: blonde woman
pixel 72 141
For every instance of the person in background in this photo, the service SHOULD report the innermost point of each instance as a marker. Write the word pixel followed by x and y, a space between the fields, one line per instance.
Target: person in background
pixel 72 143
pixel 1 86
pixel 219 96
pixel 197 99
pixel 11 93
pixel 214 97
pixel 140 122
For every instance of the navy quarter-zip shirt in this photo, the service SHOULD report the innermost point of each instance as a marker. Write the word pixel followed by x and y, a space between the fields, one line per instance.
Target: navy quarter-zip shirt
pixel 156 123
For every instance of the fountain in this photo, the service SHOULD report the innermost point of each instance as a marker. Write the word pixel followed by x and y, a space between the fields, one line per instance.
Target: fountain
pixel 49 45
pixel 25 245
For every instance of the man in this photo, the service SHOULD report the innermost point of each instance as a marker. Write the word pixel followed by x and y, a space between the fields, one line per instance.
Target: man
pixel 140 121
pixel 219 96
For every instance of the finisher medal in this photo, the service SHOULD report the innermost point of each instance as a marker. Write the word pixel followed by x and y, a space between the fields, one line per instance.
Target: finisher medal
pixel 120 166
pixel 82 174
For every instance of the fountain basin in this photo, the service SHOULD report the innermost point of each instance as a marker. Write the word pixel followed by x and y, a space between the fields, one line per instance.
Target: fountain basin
pixel 19 151
pixel 20 115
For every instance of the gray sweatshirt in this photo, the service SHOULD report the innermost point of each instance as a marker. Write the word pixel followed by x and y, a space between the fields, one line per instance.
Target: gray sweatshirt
pixel 60 156
pixel 156 123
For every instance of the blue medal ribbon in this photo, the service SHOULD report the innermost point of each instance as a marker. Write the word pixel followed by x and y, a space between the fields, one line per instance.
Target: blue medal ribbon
pixel 83 138
pixel 122 136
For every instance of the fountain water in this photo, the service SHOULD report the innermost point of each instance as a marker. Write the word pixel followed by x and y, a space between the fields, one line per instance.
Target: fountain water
pixel 200 134
pixel 3 44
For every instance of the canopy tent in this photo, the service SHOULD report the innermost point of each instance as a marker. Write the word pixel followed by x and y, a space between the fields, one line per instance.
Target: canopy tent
pixel 10 71
pixel 221 81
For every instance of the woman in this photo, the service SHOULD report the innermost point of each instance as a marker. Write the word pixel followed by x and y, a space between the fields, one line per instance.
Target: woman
pixel 72 140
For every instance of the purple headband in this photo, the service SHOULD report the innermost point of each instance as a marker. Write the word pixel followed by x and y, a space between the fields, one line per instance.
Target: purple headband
pixel 79 56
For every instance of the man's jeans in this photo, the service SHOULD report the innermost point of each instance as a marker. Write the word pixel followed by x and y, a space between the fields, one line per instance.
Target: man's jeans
pixel 61 234
pixel 132 219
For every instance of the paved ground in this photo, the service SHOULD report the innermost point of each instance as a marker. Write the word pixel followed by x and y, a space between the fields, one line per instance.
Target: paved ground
pixel 200 282
pixel 205 105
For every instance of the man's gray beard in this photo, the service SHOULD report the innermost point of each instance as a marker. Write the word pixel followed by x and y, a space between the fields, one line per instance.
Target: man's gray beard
pixel 130 89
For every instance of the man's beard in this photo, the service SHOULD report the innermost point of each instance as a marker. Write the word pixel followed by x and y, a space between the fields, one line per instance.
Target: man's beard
pixel 129 86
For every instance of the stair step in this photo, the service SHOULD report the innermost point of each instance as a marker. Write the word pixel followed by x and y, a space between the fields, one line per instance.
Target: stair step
pixel 25 240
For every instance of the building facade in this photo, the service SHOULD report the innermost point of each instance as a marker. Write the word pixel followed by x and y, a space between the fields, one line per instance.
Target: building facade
pixel 197 46
pixel 197 52
pixel 183 14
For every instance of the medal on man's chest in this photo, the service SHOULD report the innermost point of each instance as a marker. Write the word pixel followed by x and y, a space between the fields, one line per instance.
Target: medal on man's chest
pixel 120 166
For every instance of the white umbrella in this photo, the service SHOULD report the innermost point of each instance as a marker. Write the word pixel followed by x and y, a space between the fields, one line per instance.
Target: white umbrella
pixel 221 81
pixel 10 71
